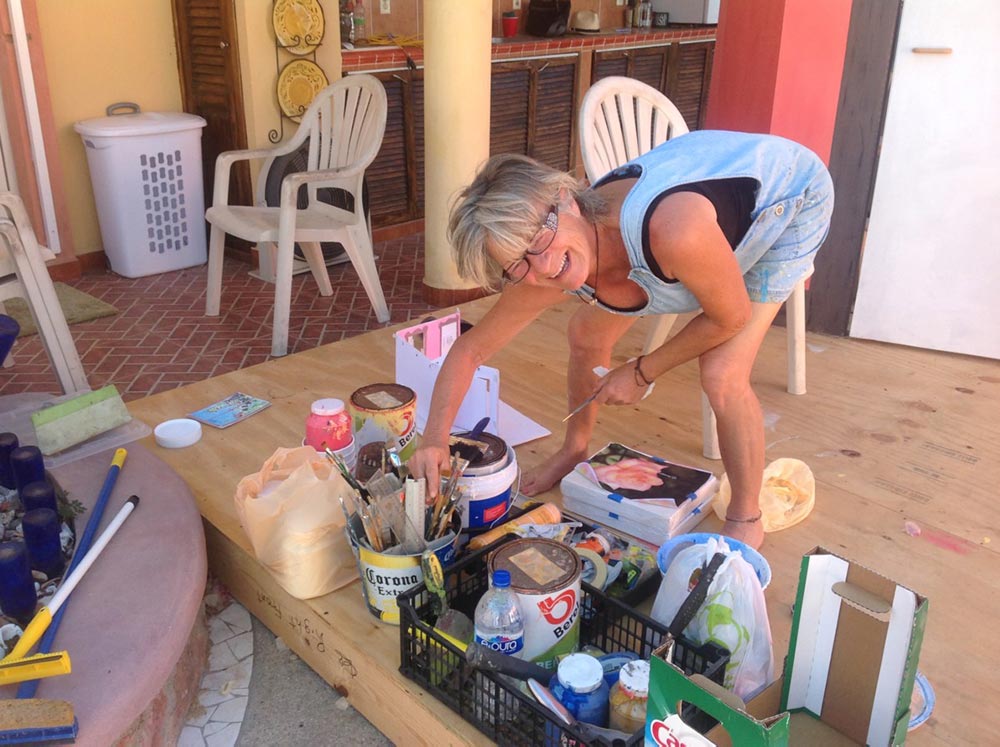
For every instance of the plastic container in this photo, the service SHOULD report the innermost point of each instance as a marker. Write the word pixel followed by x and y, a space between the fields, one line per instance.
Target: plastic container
pixel 499 623
pixel 328 425
pixel 579 685
pixel 673 546
pixel 488 701
pixel 146 172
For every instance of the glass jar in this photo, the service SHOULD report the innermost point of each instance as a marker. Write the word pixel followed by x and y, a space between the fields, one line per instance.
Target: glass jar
pixel 328 425
pixel 629 697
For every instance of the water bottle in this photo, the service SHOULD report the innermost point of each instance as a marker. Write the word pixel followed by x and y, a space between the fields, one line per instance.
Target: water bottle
pixel 499 622
pixel 360 22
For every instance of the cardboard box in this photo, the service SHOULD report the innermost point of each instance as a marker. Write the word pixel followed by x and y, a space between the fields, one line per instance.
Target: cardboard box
pixel 848 676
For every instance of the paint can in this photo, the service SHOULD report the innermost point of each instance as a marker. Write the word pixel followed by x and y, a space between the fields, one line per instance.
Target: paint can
pixel 385 414
pixel 486 485
pixel 384 576
pixel 545 575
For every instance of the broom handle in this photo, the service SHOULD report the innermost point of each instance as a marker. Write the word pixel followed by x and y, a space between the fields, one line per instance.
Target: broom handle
pixel 29 688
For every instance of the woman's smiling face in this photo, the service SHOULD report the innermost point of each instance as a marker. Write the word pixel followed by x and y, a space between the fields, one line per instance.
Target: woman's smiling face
pixel 559 253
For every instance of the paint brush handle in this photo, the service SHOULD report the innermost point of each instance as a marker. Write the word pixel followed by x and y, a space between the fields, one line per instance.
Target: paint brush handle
pixel 42 619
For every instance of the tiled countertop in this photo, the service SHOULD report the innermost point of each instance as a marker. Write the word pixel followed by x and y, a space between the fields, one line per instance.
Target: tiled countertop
pixel 384 57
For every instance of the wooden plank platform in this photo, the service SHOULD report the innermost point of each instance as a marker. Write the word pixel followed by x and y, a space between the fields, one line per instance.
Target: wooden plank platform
pixel 892 434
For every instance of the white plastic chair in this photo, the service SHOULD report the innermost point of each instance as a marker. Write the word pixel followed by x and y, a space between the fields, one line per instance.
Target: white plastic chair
pixel 23 275
pixel 344 125
pixel 622 118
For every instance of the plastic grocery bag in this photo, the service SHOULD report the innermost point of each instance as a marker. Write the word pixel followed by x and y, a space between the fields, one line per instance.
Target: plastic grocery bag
pixel 291 512
pixel 787 495
pixel 734 614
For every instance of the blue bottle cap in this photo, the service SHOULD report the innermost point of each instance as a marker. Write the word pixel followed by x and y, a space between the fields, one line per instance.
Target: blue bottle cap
pixel 501 579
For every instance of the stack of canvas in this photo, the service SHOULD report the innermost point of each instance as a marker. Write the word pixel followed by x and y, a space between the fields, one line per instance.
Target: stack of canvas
pixel 641 495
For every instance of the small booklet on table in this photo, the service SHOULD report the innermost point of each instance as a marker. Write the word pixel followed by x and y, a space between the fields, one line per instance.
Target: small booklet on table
pixel 642 495
pixel 230 410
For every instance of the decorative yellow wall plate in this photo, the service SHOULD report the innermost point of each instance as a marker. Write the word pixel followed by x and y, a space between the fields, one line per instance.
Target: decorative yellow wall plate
pixel 298 84
pixel 298 25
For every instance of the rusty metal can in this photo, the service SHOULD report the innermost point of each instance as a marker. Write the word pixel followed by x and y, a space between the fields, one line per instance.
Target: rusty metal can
pixel 385 413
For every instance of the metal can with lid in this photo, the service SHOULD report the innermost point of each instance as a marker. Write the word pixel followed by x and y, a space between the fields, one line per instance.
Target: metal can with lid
pixel 487 482
pixel 545 575
pixel 385 413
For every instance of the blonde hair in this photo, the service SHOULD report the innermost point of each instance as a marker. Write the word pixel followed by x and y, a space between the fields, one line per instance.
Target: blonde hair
pixel 502 210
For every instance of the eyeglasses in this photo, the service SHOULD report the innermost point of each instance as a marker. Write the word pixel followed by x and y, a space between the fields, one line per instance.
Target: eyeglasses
pixel 517 270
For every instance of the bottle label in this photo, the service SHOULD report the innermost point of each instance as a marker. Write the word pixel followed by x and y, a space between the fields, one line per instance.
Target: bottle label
pixel 505 644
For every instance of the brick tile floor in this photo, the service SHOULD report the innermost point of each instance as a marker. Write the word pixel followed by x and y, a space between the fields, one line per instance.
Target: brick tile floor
pixel 160 339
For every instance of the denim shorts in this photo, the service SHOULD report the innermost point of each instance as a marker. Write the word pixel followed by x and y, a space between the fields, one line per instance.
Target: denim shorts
pixel 773 277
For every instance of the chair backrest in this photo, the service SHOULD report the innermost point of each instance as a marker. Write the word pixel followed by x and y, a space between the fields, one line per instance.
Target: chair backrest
pixel 622 118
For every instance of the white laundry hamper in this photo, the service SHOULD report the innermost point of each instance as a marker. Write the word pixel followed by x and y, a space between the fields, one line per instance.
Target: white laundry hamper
pixel 146 171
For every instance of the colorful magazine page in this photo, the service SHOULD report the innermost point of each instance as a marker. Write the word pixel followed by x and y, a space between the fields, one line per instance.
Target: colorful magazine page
pixel 642 477
pixel 232 409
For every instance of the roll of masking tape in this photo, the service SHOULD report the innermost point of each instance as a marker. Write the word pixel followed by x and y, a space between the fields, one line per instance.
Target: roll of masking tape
pixel 600 567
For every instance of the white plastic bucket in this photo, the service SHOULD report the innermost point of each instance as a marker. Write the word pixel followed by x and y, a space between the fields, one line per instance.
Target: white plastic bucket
pixel 486 492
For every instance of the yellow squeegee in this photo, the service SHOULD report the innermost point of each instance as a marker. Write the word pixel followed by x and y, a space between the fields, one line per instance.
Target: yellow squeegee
pixel 17 666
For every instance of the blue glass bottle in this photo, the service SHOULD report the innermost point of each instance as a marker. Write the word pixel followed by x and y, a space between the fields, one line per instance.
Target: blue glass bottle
pixel 38 494
pixel 27 465
pixel 41 535
pixel 8 442
pixel 17 589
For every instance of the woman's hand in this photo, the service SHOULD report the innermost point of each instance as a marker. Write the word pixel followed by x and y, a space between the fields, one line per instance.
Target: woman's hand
pixel 621 387
pixel 429 462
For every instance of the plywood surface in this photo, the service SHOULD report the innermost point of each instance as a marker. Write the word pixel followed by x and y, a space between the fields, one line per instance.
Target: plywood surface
pixel 892 434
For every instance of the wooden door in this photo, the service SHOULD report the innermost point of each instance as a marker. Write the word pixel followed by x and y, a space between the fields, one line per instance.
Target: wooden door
pixel 930 264
pixel 209 63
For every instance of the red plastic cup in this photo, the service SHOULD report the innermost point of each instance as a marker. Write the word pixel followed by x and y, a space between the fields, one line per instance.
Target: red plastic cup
pixel 509 26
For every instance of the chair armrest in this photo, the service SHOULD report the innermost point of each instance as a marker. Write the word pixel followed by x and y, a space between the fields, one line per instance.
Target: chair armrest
pixel 332 178
pixel 224 163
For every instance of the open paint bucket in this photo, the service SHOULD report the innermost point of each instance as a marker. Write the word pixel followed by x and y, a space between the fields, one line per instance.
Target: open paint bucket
pixel 545 575
pixel 385 414
pixel 386 575
pixel 486 484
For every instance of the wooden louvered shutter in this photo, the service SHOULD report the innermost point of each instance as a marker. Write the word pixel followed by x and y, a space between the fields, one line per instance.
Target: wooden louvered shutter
pixel 510 91
pixel 210 86
pixel 649 65
pixel 607 64
pixel 395 177
pixel 551 133
pixel 687 87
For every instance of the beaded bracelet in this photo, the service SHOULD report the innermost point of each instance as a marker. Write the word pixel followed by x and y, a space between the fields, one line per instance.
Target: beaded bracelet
pixel 754 520
pixel 639 374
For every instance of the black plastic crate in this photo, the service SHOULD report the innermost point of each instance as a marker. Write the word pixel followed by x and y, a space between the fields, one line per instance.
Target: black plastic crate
pixel 501 711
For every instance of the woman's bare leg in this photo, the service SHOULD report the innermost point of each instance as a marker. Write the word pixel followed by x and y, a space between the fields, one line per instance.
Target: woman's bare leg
pixel 592 335
pixel 725 377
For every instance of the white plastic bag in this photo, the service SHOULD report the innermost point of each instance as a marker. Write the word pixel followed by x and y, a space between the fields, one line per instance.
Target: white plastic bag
pixel 734 614
pixel 291 512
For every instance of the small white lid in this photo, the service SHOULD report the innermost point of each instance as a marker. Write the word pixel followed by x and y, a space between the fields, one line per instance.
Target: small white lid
pixel 634 677
pixel 327 407
pixel 176 434
pixel 144 123
pixel 581 673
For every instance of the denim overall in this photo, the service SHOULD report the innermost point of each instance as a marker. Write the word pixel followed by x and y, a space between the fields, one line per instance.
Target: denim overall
pixel 789 222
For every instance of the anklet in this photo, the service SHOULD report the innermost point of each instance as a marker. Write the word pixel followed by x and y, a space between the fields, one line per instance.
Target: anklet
pixel 754 520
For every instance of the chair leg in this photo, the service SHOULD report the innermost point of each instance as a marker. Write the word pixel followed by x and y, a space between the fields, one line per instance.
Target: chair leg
pixel 213 292
pixel 314 256
pixel 709 430
pixel 795 323
pixel 658 334
pixel 282 297
pixel 362 254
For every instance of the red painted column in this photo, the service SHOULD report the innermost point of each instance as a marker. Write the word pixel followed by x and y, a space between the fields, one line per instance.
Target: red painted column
pixel 777 68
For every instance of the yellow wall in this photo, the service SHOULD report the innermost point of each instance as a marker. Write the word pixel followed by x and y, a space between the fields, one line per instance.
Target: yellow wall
pixel 98 53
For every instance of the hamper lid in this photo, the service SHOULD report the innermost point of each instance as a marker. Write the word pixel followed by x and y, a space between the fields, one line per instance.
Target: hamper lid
pixel 143 123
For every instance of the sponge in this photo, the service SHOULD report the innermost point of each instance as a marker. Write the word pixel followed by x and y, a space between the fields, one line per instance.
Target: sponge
pixel 72 422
